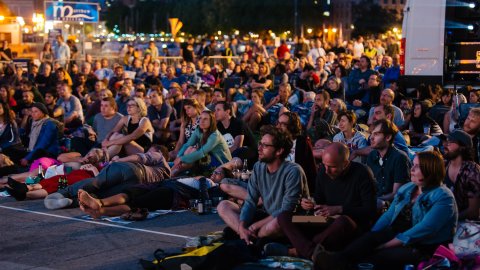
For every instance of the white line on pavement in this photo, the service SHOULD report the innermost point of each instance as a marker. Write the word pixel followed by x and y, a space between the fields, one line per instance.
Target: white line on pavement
pixel 95 222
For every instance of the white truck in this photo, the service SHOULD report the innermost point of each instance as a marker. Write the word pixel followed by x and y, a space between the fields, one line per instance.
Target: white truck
pixel 440 42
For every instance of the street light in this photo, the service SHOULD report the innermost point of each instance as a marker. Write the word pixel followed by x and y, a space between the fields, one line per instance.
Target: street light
pixel 309 30
pixel 334 30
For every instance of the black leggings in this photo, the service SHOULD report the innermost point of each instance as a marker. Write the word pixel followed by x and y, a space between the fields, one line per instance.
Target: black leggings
pixel 158 198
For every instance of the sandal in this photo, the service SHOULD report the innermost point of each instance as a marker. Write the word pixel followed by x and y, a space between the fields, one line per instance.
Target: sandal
pixel 136 214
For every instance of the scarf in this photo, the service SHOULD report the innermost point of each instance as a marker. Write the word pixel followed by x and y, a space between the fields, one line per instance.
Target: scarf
pixel 35 132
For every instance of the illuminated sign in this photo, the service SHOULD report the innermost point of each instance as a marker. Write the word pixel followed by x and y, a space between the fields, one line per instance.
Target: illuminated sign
pixel 72 12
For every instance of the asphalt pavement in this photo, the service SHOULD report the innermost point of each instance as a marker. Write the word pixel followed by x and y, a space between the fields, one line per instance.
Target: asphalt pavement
pixel 33 237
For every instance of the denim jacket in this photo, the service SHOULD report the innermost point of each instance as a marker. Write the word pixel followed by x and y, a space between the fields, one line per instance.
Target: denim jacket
pixel 434 215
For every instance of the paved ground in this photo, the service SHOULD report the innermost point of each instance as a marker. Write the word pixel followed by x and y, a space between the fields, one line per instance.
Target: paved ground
pixel 33 237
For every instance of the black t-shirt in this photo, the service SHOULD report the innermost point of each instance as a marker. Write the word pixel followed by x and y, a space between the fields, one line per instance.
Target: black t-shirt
pixel 354 190
pixel 7 52
pixel 236 128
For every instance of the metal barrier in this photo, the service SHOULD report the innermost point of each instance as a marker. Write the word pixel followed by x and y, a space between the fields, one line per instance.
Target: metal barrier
pixel 223 60
pixel 170 60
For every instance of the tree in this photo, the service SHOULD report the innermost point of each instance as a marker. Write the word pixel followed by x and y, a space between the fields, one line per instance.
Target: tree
pixel 371 18
pixel 209 16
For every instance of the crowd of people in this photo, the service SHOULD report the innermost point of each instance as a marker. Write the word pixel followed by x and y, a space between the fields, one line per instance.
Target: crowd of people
pixel 323 129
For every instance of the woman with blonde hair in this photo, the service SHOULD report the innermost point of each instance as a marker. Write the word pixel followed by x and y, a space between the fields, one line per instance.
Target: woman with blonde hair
pixel 139 131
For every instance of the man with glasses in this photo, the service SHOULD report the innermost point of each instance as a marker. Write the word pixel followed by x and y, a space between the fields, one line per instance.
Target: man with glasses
pixel 279 183
pixel 386 98
pixel 390 166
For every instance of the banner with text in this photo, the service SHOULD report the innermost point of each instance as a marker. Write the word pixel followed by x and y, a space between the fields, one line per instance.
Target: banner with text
pixel 72 12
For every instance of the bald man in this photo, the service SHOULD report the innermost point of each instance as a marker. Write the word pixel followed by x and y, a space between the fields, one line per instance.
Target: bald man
pixel 386 98
pixel 343 189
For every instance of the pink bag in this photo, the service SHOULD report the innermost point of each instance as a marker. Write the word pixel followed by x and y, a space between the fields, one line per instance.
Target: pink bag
pixel 46 162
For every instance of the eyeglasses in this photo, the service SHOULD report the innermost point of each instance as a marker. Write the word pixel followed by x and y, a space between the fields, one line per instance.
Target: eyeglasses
pixel 130 105
pixel 282 123
pixel 264 145
pixel 216 173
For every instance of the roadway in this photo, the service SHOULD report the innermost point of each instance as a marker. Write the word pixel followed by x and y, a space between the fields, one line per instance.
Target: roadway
pixel 34 237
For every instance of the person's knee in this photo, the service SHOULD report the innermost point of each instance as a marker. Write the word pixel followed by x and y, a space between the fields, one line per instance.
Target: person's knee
pixel 346 223
pixel 116 135
pixel 224 207
pixel 284 217
pixel 272 228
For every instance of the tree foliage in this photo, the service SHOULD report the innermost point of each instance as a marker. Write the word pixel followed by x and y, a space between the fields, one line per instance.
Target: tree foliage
pixel 371 18
pixel 209 16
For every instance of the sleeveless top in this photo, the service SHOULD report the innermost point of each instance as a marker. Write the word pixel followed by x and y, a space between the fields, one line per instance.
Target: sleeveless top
pixel 146 139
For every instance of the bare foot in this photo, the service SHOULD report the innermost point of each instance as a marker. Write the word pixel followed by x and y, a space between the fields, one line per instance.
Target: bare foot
pixel 88 201
pixel 96 214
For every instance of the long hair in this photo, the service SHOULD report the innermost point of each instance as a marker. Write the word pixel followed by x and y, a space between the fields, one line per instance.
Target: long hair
pixel 189 102
pixel 432 167
pixel 7 115
pixel 211 129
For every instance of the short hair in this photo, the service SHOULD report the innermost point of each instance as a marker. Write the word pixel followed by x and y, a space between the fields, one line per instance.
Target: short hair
pixel 287 86
pixel 294 125
pixel 475 111
pixel 220 90
pixel 226 106
pixel 432 167
pixel 112 102
pixel 53 93
pixel 280 139
pixel 226 172
pixel 326 96
pixel 142 90
pixel 200 92
pixel 409 100
pixel 387 128
pixel 154 89
pixel 29 92
pixel 350 115
pixel 388 109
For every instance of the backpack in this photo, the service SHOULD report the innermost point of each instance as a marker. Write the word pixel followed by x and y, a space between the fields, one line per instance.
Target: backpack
pixel 216 256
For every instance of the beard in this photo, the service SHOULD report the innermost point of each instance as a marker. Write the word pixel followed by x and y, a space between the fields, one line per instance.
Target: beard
pixel 267 159
pixel 450 155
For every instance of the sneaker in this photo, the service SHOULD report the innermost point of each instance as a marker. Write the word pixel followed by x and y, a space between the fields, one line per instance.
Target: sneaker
pixel 56 201
pixel 275 249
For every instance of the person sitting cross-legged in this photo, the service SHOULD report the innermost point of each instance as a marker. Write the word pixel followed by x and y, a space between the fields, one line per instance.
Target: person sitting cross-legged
pixel 344 191
pixel 422 216
pixel 271 173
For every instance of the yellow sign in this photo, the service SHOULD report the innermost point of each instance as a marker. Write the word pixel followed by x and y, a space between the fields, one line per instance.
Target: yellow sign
pixel 176 25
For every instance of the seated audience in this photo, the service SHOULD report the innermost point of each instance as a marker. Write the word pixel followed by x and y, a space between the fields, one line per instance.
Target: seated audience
pixel 139 131
pixel 423 216
pixel 205 149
